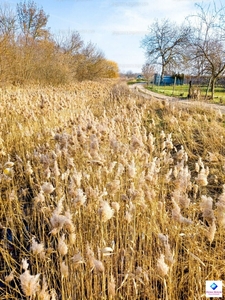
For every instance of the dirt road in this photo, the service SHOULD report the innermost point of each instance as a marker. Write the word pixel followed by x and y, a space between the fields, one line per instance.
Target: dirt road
pixel 140 89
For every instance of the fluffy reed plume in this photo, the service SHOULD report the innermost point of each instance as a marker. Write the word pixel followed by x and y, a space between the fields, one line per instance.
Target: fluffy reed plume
pixel 211 157
pixel 120 170
pixel 161 266
pixel 25 264
pixel 113 186
pixel 201 179
pixel 43 294
pixel 77 177
pixel 90 255
pixel 64 269
pixel 62 246
pixel 128 217
pixel 47 174
pixel 180 154
pixel 116 206
pixel 29 283
pixel 72 238
pixel 40 198
pixel 98 265
pixel 9 277
pixel 220 212
pixel 177 216
pixel 206 208
pixel 56 170
pixel 107 251
pixel 211 232
pixel 112 166
pixel 77 259
pixel 168 254
pixel 112 287
pixel 53 295
pixel 28 168
pixel 68 225
pixel 93 262
pixel 37 249
pixel 105 211
pixel 94 143
pixel 153 170
pixel 151 142
pixel 183 178
pixel 168 142
pixel 168 176
pixel 47 188
pixel 131 169
pixel 163 238
pixel 138 271
pixel 197 167
pixel 135 143
pixel 58 220
pixel 181 198
pixel 80 198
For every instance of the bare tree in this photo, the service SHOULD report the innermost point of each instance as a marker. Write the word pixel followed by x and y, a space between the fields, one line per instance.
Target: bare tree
pixel 164 43
pixel 129 74
pixel 90 62
pixel 207 47
pixel 32 20
pixel 148 72
pixel 7 21
pixel 69 43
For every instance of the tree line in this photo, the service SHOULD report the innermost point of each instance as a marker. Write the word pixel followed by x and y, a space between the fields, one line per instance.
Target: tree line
pixel 30 53
pixel 196 47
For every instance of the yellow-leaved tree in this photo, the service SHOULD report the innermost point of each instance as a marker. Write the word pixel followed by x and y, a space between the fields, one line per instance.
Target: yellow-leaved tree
pixel 111 69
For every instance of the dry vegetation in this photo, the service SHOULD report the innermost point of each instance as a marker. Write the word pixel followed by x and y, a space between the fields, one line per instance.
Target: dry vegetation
pixel 105 195
pixel 30 53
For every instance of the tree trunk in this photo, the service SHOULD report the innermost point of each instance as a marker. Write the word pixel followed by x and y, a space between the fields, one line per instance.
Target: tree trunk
pixel 213 83
pixel 189 89
pixel 174 83
pixel 162 75
pixel 207 90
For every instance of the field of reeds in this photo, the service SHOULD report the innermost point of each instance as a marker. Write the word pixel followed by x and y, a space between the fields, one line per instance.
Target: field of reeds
pixel 107 195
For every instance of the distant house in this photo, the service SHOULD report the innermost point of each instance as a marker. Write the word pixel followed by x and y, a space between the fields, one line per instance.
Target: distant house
pixel 168 80
pixel 140 77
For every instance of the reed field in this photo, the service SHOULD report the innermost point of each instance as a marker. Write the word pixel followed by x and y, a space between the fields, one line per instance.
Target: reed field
pixel 107 195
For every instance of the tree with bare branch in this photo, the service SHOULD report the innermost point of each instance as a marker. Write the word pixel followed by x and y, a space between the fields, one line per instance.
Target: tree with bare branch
pixel 207 45
pixel 32 20
pixel 7 21
pixel 164 44
pixel 148 72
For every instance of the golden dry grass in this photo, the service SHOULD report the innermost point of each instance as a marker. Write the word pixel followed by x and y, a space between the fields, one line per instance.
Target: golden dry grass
pixel 105 195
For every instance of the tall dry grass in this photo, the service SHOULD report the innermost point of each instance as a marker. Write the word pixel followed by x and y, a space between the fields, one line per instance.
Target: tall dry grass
pixel 105 195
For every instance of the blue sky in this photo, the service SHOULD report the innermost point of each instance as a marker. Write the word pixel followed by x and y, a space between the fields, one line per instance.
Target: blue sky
pixel 115 26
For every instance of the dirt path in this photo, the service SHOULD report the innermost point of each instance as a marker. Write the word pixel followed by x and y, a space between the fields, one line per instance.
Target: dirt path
pixel 140 89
